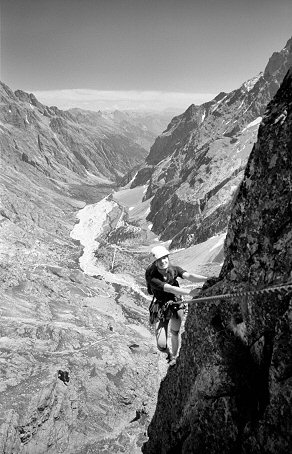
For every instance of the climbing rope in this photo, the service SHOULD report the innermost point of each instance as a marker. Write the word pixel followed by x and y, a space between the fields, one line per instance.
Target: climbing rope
pixel 285 288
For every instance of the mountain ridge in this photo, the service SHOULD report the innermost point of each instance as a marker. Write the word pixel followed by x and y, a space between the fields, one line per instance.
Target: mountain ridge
pixel 59 145
pixel 200 149
pixel 104 144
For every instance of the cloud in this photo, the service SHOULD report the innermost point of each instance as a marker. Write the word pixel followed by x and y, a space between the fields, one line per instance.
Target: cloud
pixel 121 100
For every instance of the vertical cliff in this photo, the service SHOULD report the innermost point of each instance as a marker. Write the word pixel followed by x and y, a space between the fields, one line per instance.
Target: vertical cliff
pixel 231 389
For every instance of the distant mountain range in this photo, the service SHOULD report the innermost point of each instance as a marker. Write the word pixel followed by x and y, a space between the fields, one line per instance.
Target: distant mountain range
pixel 194 167
pixel 140 127
pixel 73 144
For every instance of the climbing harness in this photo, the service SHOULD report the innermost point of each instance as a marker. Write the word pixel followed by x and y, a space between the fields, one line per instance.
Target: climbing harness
pixel 164 312
pixel 285 288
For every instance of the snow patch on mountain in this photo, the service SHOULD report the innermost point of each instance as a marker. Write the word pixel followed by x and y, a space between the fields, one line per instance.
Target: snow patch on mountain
pixel 249 84
pixel 253 123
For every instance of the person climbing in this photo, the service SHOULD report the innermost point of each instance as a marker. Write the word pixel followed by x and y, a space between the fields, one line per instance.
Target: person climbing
pixel 167 301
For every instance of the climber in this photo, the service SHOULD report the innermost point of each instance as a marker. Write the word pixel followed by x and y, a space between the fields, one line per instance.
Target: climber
pixel 167 303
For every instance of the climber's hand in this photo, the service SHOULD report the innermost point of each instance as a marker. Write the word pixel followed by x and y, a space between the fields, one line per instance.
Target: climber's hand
pixel 195 291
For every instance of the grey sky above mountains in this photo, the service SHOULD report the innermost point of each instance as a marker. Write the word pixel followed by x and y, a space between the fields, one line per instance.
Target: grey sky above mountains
pixel 137 53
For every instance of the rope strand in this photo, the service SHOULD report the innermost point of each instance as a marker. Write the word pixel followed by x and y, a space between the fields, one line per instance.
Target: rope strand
pixel 275 289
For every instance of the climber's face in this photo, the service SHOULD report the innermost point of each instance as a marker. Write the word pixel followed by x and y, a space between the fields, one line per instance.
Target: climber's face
pixel 162 263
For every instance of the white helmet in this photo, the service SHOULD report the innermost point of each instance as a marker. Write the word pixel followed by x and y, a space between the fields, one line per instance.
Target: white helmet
pixel 158 252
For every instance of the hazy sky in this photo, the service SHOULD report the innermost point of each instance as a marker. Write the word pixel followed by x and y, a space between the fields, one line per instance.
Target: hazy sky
pixel 159 52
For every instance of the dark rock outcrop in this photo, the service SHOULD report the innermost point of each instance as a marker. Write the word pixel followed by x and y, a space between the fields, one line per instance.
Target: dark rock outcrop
pixel 198 162
pixel 231 388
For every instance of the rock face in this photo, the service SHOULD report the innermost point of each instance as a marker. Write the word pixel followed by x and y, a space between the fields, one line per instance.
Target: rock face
pixel 231 388
pixel 194 167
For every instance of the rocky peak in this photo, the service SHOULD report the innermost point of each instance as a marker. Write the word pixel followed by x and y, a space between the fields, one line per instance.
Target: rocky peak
pixel 178 129
pixel 249 84
pixel 220 96
pixel 279 59
pixel 25 97
pixel 5 92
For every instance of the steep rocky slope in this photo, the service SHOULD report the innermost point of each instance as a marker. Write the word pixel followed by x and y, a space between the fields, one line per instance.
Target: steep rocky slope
pixel 231 388
pixel 194 167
